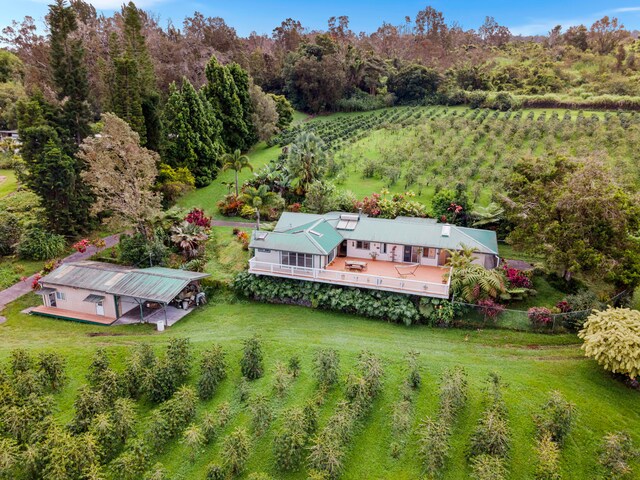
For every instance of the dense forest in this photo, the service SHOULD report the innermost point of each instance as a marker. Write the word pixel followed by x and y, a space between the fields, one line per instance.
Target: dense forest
pixel 426 59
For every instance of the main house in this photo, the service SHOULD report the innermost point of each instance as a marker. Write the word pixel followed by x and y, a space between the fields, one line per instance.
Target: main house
pixel 102 293
pixel 406 255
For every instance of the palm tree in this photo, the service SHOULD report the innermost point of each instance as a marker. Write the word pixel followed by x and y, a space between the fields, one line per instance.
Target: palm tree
pixel 258 198
pixel 237 162
pixel 306 160
pixel 189 238
pixel 488 215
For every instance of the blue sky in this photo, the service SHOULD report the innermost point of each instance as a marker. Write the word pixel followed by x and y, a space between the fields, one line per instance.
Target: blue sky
pixel 525 17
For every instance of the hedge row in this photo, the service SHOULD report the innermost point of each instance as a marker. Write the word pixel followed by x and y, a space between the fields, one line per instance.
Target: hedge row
pixel 393 307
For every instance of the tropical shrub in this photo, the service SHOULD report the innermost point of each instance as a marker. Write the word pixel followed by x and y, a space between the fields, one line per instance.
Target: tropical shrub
pixel 139 251
pixel 540 317
pixel 376 304
pixel 10 232
pixel 516 278
pixel 194 439
pixel 38 244
pixel 612 338
pixel 197 216
pixel 251 362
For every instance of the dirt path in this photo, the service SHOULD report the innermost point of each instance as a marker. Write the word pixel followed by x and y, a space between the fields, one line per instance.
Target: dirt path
pixel 23 287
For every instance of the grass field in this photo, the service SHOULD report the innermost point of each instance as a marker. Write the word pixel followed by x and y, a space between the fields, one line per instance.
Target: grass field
pixel 530 364
pixel 8 182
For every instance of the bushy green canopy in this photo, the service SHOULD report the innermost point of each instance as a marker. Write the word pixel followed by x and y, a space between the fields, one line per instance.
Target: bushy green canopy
pixel 612 338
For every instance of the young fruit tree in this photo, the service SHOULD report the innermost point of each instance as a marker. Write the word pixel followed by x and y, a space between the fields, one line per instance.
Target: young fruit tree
pixel 121 173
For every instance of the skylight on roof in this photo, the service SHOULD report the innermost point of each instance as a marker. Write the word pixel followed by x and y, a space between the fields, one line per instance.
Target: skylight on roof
pixel 260 235
pixel 313 232
pixel 446 230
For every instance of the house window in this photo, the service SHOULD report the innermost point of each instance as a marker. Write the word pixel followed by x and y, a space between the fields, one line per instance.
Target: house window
pixel 60 296
pixel 429 252
pixel 294 259
pixel 383 248
pixel 363 245
pixel 264 250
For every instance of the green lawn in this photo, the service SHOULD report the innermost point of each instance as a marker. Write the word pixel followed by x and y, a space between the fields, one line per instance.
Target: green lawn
pixel 530 364
pixel 13 269
pixel 9 183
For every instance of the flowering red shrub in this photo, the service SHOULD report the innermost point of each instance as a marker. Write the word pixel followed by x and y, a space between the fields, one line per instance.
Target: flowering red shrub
pixel 82 245
pixel 35 285
pixel 369 205
pixel 243 238
pixel 489 308
pixel 197 217
pixel 294 207
pixel 563 306
pixel 540 316
pixel 516 278
pixel 230 206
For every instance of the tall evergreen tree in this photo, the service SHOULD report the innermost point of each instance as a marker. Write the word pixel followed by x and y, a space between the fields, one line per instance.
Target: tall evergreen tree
pixel 222 93
pixel 134 96
pixel 69 72
pixel 241 79
pixel 125 97
pixel 51 172
pixel 193 134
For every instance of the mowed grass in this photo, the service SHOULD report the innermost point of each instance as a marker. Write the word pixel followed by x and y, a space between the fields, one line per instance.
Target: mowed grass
pixel 530 364
pixel 8 182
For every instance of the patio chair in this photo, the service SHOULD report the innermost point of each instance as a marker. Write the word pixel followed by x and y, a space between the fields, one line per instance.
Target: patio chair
pixel 407 270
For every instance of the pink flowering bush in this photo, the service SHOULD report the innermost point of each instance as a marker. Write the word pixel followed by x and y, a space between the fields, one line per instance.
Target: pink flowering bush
pixel 516 278
pixel 82 245
pixel 490 309
pixel 197 217
pixel 540 316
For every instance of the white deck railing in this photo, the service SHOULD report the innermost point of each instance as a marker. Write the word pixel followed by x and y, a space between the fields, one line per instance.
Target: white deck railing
pixel 354 279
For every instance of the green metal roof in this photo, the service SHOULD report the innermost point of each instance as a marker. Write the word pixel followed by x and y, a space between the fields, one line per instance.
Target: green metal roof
pixel 402 230
pixel 157 284
pixel 86 275
pixel 316 237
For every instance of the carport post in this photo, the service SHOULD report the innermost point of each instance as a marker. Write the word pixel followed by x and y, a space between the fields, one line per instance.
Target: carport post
pixel 164 307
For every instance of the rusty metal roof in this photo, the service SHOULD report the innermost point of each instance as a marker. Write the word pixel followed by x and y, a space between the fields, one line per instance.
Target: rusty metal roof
pixel 156 284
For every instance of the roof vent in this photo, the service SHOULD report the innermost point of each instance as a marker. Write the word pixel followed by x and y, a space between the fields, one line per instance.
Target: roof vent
pixel 446 230
pixel 260 235
pixel 313 232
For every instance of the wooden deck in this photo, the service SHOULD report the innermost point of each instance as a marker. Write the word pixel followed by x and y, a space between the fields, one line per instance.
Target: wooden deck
pixel 379 275
pixel 71 315
pixel 381 268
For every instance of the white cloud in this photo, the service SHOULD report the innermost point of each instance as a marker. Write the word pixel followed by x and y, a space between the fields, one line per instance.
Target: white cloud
pixel 542 26
pixel 626 9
